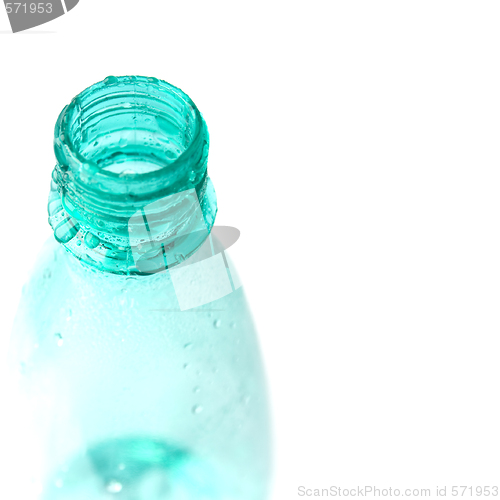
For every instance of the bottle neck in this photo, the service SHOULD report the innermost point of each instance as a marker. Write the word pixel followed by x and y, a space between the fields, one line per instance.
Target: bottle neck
pixel 130 192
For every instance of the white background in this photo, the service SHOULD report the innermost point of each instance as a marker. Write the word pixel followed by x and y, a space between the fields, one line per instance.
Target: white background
pixel 356 147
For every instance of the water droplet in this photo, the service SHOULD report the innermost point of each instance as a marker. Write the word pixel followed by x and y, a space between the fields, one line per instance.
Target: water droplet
pixel 185 366
pixel 110 80
pixel 196 389
pixel 197 409
pixel 78 243
pixel 47 274
pixel 114 486
pixel 91 240
pixel 121 466
pixel 233 324
pixel 217 323
pixel 188 345
pixel 59 339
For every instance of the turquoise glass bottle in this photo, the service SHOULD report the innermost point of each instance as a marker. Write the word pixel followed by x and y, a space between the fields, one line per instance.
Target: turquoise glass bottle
pixel 135 366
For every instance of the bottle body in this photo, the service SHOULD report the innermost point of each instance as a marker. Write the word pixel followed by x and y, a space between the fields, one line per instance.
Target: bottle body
pixel 128 393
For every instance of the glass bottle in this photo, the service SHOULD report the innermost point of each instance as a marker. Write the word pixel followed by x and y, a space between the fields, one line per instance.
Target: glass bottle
pixel 135 366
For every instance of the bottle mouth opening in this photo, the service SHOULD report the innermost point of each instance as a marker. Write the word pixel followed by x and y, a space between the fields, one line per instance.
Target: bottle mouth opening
pixel 128 126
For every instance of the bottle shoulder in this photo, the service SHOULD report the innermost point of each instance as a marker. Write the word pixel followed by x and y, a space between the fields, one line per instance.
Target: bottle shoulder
pixel 61 292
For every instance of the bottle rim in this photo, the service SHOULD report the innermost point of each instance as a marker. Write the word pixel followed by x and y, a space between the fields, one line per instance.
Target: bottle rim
pixel 64 135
